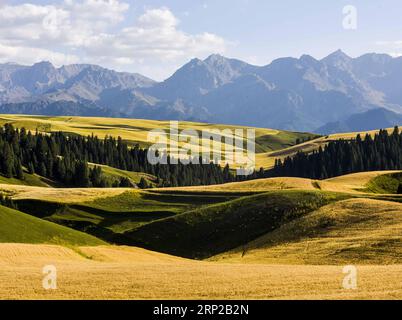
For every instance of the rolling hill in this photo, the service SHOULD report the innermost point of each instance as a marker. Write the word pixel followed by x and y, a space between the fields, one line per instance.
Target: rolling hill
pixel 216 228
pixel 353 231
pixel 19 227
pixel 260 233
pixel 196 221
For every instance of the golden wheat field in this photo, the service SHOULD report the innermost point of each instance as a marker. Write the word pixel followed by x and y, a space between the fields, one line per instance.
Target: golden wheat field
pixel 62 195
pixel 130 273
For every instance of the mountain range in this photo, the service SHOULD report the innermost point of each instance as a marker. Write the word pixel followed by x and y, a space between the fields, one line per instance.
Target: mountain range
pixel 336 93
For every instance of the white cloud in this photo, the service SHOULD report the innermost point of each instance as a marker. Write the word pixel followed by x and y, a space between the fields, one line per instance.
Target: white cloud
pixel 92 31
pixel 28 55
pixel 395 54
pixel 393 48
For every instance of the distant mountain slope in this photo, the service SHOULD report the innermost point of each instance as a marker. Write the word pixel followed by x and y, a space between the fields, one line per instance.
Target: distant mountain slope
pixel 295 94
pixel 365 121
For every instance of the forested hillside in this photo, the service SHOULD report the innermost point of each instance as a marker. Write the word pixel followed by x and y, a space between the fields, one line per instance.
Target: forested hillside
pixel 64 158
pixel 383 152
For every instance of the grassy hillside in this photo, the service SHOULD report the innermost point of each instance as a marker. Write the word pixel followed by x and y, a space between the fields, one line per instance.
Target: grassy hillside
pixel 29 180
pixel 179 220
pixel 59 195
pixel 353 231
pixel 18 227
pixel 361 182
pixel 268 159
pixel 194 222
pixel 114 174
pixel 253 186
pixel 108 216
pixel 136 130
pixel 203 232
pixel 387 183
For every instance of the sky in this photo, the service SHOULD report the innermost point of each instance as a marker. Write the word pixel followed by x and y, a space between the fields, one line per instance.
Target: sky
pixel 156 37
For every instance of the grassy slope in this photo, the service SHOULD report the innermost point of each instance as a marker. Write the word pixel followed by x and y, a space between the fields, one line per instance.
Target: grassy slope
pixel 109 216
pixel 16 226
pixel 351 183
pixel 387 183
pixel 107 212
pixel 207 231
pixel 29 180
pixel 192 221
pixel 114 174
pixel 354 231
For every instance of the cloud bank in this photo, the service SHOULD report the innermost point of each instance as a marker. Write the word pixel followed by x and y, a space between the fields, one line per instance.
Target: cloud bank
pixel 96 31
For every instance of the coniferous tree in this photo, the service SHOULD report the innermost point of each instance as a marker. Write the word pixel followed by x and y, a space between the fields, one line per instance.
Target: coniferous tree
pixel 399 191
pixel 383 152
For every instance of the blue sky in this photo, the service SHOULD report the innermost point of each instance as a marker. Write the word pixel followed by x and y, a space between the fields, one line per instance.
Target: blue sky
pixel 155 37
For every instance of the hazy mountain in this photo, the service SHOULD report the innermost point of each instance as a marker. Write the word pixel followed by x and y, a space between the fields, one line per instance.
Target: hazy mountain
pixel 43 81
pixel 200 77
pixel 289 93
pixel 369 120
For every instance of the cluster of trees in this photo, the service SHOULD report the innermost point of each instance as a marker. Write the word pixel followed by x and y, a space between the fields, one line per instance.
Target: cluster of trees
pixel 383 152
pixel 41 154
pixel 7 202
pixel 64 158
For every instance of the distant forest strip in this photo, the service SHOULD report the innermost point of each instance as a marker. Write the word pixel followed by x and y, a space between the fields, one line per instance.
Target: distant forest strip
pixel 64 158
pixel 383 152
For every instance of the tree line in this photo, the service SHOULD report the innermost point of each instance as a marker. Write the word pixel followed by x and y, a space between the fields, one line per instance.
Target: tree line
pixel 381 152
pixel 64 158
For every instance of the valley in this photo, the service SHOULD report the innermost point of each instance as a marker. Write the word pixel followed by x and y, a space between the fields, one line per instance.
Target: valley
pixel 267 238
pixel 302 259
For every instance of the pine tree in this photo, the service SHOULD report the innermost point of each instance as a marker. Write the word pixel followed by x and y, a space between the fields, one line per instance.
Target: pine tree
pixel 143 183
pixel 399 191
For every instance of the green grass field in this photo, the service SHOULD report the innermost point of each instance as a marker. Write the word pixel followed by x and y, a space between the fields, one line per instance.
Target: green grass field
pixel 114 174
pixel 387 183
pixel 29 180
pixel 18 227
